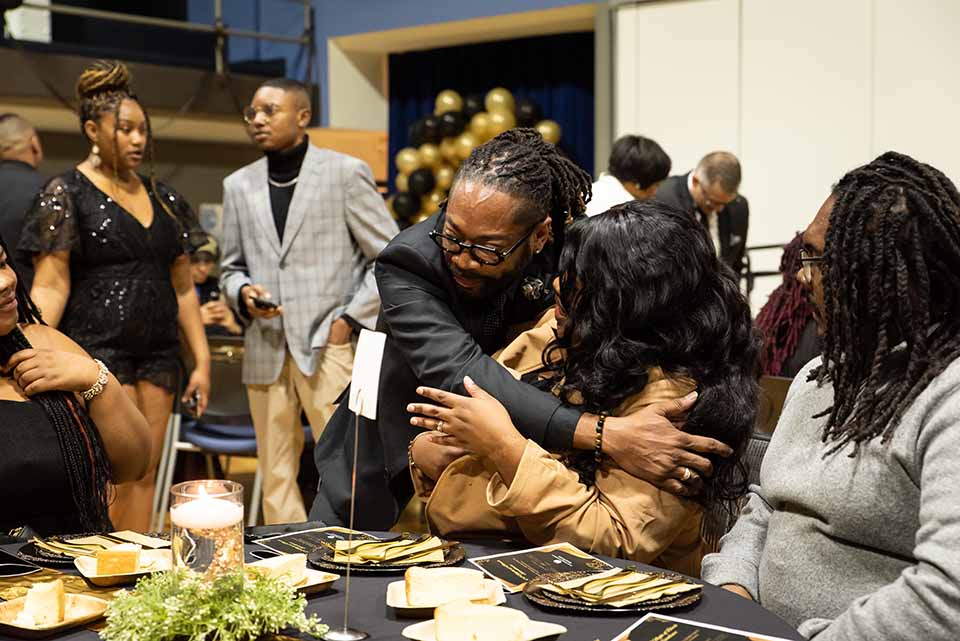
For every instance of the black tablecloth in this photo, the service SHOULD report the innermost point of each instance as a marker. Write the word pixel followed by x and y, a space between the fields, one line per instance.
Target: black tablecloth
pixel 370 613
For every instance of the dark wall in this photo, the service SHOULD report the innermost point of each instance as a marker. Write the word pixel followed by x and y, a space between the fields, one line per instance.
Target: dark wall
pixel 554 71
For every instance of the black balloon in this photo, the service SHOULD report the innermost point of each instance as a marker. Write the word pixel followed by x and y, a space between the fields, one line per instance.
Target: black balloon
pixel 528 113
pixel 406 204
pixel 420 182
pixel 472 105
pixel 452 124
pixel 416 133
pixel 431 130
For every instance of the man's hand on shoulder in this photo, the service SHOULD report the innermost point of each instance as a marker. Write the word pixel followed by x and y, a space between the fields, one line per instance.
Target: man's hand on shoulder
pixel 648 444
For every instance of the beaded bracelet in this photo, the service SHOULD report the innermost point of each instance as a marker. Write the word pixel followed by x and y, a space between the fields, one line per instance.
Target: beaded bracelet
pixel 598 439
pixel 98 385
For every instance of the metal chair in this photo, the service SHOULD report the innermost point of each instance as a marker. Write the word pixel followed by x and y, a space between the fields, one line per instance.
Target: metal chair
pixel 225 429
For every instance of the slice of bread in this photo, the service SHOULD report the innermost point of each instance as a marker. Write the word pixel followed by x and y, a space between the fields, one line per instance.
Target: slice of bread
pixel 44 604
pixel 430 587
pixel 289 568
pixel 465 621
pixel 120 559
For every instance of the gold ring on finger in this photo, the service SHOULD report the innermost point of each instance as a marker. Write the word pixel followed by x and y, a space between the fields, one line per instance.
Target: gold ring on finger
pixel 440 426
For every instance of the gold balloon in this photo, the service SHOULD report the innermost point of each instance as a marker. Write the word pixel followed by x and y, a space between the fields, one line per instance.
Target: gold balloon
pixel 401 182
pixel 447 100
pixel 429 155
pixel 550 131
pixel 465 144
pixel 500 121
pixel 480 126
pixel 419 218
pixel 444 176
pixel 448 149
pixel 431 202
pixel 407 160
pixel 499 98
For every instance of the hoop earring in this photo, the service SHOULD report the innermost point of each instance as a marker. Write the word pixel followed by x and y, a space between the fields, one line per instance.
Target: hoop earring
pixel 95 156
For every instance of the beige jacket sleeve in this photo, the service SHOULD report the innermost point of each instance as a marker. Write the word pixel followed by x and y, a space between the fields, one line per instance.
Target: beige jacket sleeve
pixel 619 515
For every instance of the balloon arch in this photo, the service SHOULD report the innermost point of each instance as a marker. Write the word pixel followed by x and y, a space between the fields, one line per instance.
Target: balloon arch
pixel 441 141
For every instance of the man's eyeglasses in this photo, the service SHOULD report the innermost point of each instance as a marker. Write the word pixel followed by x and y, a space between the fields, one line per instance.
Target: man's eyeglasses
pixel 483 254
pixel 807 262
pixel 250 112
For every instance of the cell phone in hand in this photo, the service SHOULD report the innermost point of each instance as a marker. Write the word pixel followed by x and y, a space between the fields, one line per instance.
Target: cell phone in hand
pixel 192 402
pixel 263 303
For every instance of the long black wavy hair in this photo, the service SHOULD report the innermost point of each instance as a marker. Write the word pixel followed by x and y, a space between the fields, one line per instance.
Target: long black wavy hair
pixel 642 287
pixel 87 466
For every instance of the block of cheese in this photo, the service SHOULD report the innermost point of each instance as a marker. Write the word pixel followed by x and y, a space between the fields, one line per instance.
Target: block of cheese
pixel 120 559
pixel 465 621
pixel 429 587
pixel 44 605
pixel 289 568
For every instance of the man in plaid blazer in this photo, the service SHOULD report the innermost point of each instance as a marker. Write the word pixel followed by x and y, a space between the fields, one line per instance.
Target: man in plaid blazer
pixel 301 230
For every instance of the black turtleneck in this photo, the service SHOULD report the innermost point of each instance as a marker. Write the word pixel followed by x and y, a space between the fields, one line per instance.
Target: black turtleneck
pixel 283 167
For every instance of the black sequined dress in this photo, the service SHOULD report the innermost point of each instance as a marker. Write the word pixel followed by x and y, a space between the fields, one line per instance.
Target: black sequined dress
pixel 122 307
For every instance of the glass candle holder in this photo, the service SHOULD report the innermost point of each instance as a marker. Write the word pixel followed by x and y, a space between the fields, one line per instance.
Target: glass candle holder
pixel 206 521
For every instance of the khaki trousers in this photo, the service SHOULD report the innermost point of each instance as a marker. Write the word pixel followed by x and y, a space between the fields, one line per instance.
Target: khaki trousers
pixel 275 410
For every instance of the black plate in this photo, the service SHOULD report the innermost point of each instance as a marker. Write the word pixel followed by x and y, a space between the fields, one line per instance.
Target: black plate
pixel 533 593
pixel 322 558
pixel 30 552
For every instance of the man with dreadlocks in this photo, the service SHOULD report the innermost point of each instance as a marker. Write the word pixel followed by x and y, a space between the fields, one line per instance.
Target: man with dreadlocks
pixel 451 288
pixel 68 427
pixel 854 532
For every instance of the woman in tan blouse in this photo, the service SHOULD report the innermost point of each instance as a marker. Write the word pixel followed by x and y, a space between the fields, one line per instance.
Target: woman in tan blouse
pixel 645 313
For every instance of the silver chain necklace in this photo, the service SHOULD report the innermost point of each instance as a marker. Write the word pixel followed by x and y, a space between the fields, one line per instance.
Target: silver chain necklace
pixel 289 183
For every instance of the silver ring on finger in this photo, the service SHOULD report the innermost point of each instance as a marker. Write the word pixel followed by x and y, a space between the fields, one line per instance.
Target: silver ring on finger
pixel 440 426
pixel 687 474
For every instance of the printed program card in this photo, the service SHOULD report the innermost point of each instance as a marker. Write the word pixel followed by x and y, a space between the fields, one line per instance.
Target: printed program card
pixel 514 569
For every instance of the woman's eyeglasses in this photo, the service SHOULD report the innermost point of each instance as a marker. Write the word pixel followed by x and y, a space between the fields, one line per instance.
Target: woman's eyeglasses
pixel 807 262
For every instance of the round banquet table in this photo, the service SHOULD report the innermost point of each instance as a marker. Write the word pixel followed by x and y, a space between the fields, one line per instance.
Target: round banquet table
pixel 370 613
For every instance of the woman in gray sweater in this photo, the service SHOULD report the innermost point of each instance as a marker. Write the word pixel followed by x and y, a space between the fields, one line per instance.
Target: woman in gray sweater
pixel 854 533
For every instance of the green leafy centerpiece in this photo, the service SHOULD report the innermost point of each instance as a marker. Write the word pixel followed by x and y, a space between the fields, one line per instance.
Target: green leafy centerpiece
pixel 183 606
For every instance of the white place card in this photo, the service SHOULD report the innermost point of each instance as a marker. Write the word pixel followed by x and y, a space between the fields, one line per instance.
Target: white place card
pixel 366 373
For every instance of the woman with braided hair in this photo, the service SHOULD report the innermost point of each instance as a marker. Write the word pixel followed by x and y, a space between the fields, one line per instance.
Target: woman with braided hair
pixel 456 288
pixel 68 426
pixel 110 248
pixel 789 331
pixel 853 533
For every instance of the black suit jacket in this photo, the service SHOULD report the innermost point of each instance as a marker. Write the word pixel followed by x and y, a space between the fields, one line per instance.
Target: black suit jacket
pixel 435 337
pixel 19 185
pixel 733 220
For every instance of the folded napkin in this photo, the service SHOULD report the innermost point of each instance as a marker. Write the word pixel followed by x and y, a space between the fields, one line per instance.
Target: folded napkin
pixel 411 550
pixel 632 587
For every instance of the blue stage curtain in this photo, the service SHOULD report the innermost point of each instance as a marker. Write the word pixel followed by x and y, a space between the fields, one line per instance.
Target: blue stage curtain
pixel 554 71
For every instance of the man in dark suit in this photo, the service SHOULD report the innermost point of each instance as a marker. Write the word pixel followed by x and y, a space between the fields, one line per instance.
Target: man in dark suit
pixel 710 193
pixel 451 288
pixel 20 182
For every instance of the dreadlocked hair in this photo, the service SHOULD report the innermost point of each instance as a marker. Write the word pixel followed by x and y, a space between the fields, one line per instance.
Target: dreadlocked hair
pixel 891 282
pixel 102 87
pixel 785 314
pixel 88 468
pixel 521 163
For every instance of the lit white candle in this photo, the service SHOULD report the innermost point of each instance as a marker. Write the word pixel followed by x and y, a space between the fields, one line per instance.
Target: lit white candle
pixel 206 513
